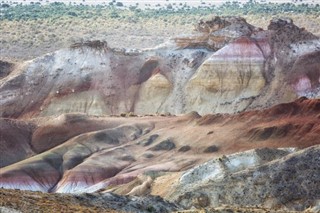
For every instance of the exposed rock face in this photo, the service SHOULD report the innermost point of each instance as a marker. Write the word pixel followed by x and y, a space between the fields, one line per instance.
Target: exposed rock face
pixel 234 74
pixel 217 32
pixel 153 93
pixel 288 43
pixel 221 167
pixel 306 70
pixel 252 69
pixel 59 161
pixel 55 135
pixel 14 201
pixel 78 153
pixel 99 82
pixel 291 182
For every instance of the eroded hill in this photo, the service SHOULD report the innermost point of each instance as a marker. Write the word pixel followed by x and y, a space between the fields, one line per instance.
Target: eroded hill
pixel 251 69
pixel 220 118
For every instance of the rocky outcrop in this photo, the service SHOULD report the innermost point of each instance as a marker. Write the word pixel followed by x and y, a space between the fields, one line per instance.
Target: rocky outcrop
pixel 231 78
pixel 241 180
pixel 99 82
pixel 288 43
pixel 153 93
pixel 251 69
pixel 221 167
pixel 14 201
pixel 306 72
pixel 216 32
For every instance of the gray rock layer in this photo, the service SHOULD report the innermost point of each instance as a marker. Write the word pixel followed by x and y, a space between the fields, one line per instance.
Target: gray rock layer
pixel 290 183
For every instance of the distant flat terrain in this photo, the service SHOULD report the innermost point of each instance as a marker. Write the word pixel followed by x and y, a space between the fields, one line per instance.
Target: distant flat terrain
pixel 142 3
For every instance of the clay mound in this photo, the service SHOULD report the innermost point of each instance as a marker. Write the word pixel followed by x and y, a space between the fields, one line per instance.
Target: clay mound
pixel 43 172
pixel 58 130
pixel 295 120
pixel 210 119
pixel 242 68
pixel 15 141
pixel 279 131
pixel 21 140
pixel 85 154
pixel 302 106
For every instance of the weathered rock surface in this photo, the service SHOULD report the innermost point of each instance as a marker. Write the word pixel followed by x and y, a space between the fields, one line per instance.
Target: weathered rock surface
pixel 14 201
pixel 288 43
pixel 306 70
pixel 99 82
pixel 221 167
pixel 55 134
pixel 78 153
pixel 231 78
pixel 15 141
pixel 216 32
pixel 251 69
pixel 291 182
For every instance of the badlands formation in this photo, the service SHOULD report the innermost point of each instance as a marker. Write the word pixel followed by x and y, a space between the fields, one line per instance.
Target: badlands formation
pixel 227 116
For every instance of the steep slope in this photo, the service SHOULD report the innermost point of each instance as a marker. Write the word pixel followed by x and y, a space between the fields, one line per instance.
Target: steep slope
pixel 231 78
pixel 97 81
pixel 288 43
pixel 249 69
pixel 15 140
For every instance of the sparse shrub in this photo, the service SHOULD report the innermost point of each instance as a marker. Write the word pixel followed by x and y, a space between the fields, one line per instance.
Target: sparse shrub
pixel 184 149
pixel 211 149
pixel 150 209
pixel 114 14
pixel 131 114
pixel 210 132
pixel 164 145
pixel 119 4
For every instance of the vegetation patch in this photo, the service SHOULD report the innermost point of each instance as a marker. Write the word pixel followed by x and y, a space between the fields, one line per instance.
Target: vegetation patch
pixel 165 145
pixel 211 149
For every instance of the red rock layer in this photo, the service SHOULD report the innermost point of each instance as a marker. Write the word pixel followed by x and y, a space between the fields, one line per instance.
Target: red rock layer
pixel 131 146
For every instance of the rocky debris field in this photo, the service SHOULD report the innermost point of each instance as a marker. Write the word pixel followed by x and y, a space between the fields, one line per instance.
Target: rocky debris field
pixel 25 201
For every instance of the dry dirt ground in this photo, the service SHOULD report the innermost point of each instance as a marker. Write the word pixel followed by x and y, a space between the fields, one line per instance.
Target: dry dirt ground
pixel 25 201
pixel 24 40
pixel 16 201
